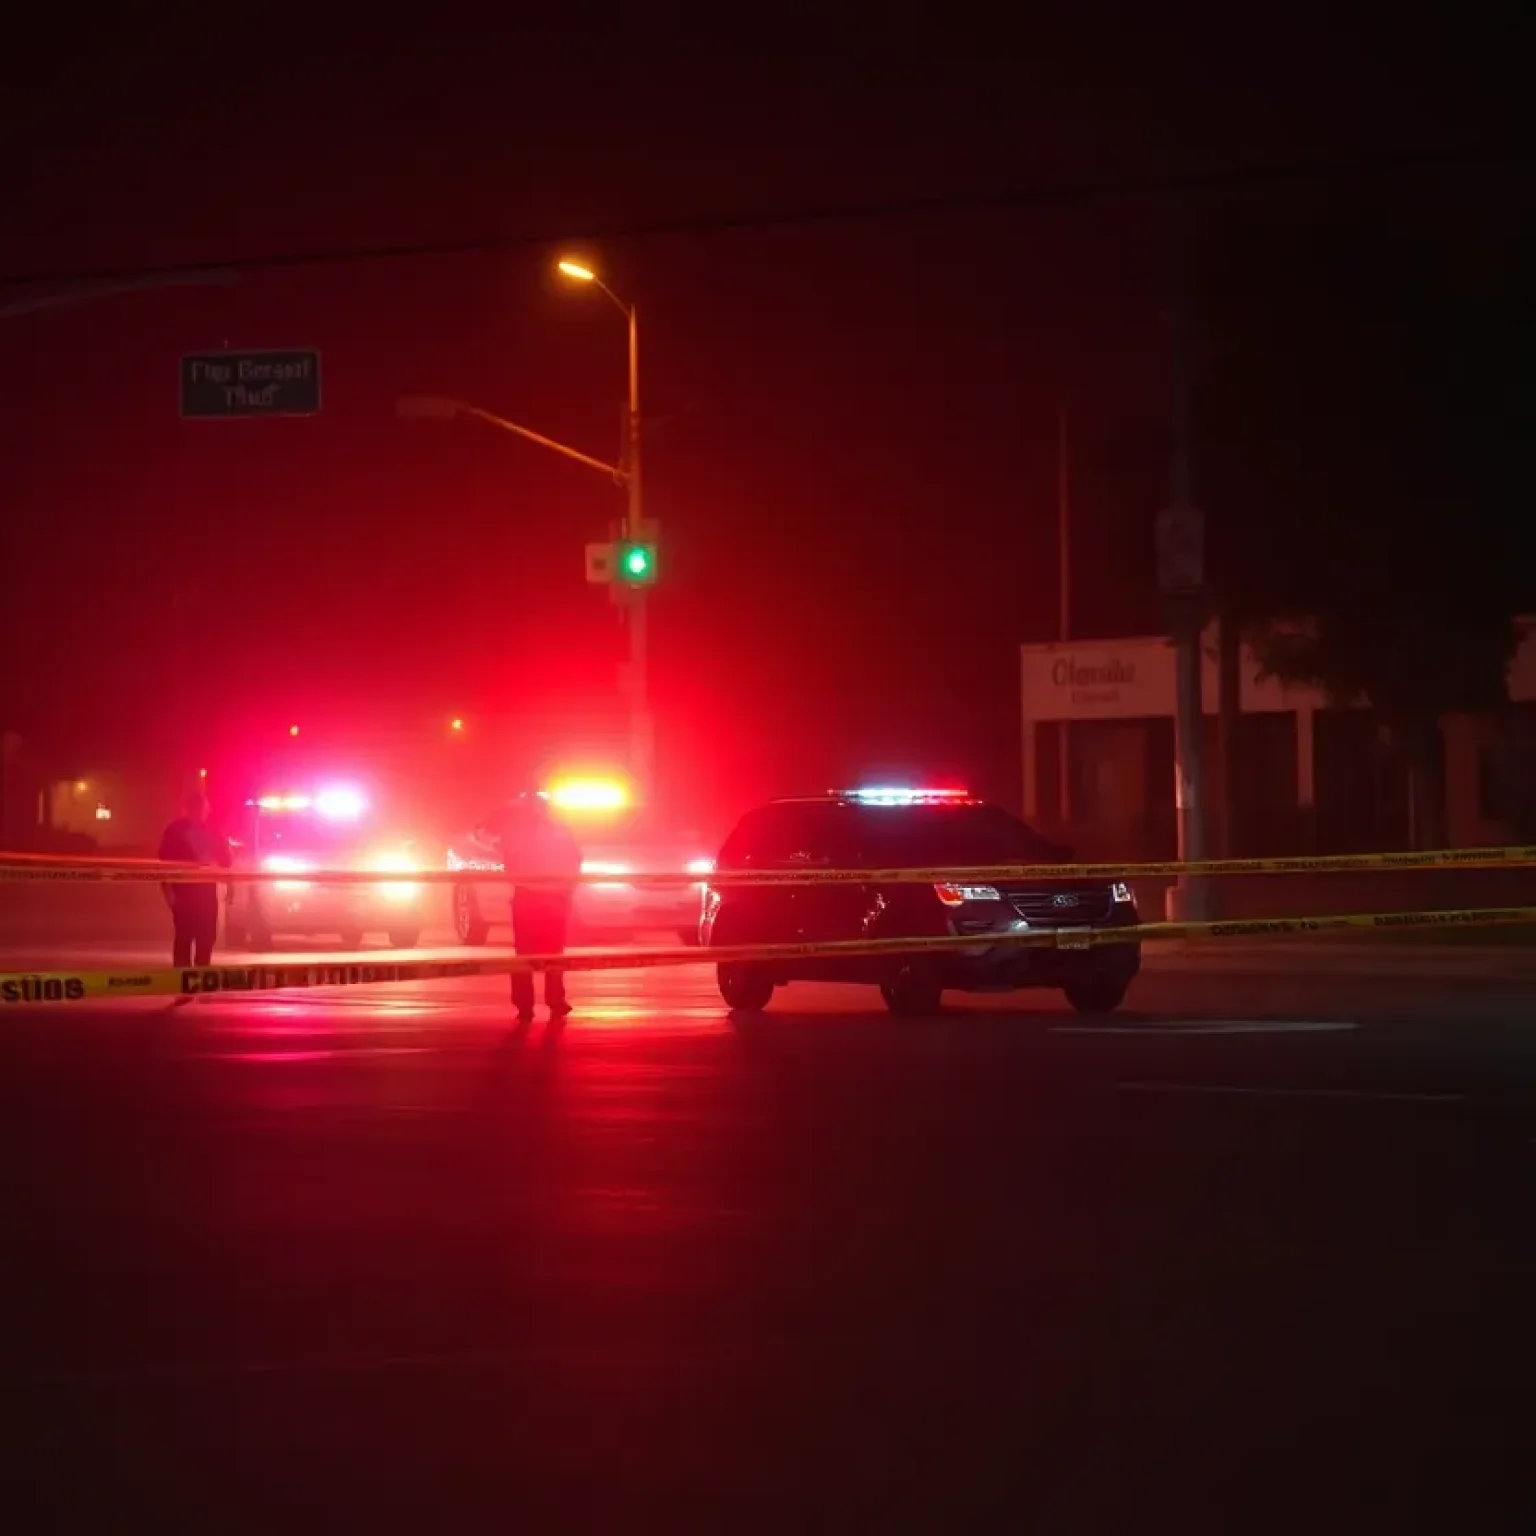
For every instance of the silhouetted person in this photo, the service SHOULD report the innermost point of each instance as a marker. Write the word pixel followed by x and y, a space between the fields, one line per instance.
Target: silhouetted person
pixel 536 846
pixel 194 908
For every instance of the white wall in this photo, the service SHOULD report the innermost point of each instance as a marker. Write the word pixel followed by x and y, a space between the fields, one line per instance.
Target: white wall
pixel 1134 679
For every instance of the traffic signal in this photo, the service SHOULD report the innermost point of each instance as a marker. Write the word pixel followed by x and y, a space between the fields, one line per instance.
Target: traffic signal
pixel 636 564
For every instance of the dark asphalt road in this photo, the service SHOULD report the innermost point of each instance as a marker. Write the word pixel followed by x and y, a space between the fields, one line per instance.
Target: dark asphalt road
pixel 1254 1255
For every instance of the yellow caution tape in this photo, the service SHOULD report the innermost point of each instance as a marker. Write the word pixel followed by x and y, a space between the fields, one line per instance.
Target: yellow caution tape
pixel 26 867
pixel 24 987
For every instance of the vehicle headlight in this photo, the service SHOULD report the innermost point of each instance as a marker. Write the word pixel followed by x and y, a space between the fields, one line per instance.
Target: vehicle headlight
pixel 395 863
pixel 1123 894
pixel 283 864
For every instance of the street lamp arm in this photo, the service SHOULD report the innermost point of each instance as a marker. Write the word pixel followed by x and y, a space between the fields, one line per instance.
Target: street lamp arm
pixel 86 292
pixel 619 303
pixel 544 442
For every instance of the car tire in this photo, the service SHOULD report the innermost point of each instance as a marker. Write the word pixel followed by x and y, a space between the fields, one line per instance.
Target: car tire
pixel 913 992
pixel 352 938
pixel 744 987
pixel 404 938
pixel 468 921
pixel 1095 994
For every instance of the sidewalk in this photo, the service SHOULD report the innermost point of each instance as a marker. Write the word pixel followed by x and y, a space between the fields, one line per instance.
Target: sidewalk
pixel 1330 955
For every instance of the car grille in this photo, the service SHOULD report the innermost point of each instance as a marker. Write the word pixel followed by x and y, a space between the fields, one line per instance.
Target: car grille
pixel 1063 906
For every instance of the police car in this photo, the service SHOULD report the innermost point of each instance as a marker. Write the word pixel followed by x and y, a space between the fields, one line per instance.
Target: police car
pixel 888 828
pixel 292 834
pixel 616 839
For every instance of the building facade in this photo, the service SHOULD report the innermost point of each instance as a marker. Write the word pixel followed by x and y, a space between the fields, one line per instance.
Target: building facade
pixel 1098 753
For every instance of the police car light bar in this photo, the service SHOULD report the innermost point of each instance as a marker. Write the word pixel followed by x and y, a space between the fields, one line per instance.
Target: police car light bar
pixel 333 804
pixel 885 794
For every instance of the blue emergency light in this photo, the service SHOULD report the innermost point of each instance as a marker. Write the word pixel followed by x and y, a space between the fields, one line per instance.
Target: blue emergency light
pixel 888 794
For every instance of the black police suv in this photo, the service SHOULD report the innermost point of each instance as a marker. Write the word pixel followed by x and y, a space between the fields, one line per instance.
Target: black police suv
pixel 887 829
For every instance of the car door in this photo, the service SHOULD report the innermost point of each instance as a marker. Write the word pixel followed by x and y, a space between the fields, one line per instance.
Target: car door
pixel 833 911
pixel 492 897
pixel 768 841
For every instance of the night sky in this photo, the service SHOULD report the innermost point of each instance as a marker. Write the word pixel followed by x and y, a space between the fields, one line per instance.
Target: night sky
pixel 851 422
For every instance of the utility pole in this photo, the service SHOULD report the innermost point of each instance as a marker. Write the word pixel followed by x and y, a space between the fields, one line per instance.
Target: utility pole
pixel 641 736
pixel 1229 710
pixel 625 564
pixel 636 562
pixel 1181 575
pixel 1064 611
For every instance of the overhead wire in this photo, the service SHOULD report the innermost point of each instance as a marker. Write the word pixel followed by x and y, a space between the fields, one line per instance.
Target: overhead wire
pixel 1080 192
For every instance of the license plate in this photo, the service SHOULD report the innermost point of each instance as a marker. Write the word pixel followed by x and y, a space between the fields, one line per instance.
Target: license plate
pixel 1074 938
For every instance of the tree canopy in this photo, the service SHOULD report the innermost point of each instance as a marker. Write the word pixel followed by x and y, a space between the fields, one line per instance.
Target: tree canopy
pixel 1362 436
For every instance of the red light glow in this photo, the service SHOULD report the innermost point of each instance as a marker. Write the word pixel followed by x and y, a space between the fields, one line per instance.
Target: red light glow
pixel 588 794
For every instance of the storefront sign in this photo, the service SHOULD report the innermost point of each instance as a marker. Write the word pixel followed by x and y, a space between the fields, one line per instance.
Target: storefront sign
pixel 1100 681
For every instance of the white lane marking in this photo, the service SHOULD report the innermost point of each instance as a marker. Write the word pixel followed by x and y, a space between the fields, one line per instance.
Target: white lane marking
pixel 1292 1093
pixel 1210 1027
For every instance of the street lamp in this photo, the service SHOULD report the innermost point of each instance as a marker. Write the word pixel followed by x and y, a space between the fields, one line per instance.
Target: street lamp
pixel 633 530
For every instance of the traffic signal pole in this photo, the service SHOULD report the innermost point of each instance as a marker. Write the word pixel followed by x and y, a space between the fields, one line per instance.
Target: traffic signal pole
pixel 1184 579
pixel 626 567
pixel 641 739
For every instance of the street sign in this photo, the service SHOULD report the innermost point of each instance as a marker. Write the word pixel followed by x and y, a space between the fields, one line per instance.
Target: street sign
pixel 600 564
pixel 1180 550
pixel 219 385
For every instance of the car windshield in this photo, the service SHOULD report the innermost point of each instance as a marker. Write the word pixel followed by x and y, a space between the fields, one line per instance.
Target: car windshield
pixel 306 832
pixel 934 836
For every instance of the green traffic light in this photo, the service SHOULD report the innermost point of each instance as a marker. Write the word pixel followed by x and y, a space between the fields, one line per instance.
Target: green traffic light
pixel 637 562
